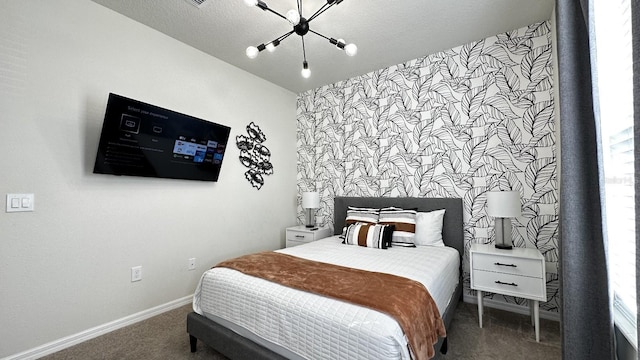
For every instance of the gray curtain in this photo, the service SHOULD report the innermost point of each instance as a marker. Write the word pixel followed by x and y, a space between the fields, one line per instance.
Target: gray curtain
pixel 635 34
pixel 585 311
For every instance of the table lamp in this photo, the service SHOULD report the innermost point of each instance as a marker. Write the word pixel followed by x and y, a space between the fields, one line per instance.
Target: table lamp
pixel 503 205
pixel 310 202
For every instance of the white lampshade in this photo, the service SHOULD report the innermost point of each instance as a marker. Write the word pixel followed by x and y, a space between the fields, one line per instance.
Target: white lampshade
pixel 310 200
pixel 504 204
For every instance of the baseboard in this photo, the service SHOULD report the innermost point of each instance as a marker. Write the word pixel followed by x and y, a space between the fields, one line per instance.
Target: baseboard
pixel 515 308
pixel 94 332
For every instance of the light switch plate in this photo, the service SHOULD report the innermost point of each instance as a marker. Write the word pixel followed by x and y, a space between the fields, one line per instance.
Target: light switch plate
pixel 20 202
pixel 136 273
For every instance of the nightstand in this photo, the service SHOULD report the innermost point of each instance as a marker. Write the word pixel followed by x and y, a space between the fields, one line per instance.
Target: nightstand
pixel 517 272
pixel 298 235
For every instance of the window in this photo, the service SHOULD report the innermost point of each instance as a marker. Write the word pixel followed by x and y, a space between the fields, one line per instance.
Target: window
pixel 615 94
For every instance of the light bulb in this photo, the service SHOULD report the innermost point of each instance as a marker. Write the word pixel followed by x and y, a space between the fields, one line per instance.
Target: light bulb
pixel 305 70
pixel 351 49
pixel 251 2
pixel 252 52
pixel 271 47
pixel 293 16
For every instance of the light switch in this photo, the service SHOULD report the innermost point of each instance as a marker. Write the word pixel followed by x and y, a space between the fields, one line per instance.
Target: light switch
pixel 20 202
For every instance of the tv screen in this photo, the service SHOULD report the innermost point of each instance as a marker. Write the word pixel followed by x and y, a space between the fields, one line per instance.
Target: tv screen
pixel 140 139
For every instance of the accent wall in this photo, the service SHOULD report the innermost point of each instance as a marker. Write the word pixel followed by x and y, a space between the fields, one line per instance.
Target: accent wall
pixel 457 123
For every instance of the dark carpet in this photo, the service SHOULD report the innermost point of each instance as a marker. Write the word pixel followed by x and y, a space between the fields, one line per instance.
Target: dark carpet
pixel 504 336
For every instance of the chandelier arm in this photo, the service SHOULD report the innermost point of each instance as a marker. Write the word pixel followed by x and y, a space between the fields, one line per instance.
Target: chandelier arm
pixel 304 52
pixel 276 41
pixel 267 8
pixel 341 45
pixel 285 35
pixel 322 9
pixel 281 37
pixel 317 33
pixel 305 65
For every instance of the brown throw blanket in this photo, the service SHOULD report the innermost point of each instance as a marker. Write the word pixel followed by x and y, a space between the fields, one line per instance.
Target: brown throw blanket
pixel 407 301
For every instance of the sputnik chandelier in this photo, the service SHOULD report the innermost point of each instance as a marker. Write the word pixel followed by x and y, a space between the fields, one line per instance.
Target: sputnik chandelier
pixel 300 27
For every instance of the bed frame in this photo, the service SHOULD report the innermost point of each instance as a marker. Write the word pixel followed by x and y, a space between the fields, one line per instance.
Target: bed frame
pixel 237 347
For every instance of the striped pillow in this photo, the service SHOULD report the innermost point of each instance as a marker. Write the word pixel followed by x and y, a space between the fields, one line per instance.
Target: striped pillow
pixel 366 215
pixel 369 235
pixel 363 215
pixel 404 222
pixel 359 215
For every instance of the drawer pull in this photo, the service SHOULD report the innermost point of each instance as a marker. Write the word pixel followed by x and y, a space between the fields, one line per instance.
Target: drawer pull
pixel 299 236
pixel 501 264
pixel 504 283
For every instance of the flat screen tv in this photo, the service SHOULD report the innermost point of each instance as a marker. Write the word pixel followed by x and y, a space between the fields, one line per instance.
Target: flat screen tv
pixel 140 139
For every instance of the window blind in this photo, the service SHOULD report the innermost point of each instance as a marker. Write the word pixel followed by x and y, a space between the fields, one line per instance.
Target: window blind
pixel 615 94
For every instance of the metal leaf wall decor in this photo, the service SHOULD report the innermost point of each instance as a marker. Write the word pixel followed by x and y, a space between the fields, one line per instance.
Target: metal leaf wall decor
pixel 254 155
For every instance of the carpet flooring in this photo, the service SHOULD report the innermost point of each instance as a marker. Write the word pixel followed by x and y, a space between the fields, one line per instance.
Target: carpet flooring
pixel 504 336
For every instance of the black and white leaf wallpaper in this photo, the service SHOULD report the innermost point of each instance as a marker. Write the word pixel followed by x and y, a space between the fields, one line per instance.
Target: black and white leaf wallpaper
pixel 457 123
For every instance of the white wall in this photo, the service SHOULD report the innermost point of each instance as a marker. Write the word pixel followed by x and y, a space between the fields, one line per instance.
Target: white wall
pixel 66 267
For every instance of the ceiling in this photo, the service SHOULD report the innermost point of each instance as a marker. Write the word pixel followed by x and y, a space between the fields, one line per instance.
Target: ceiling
pixel 387 32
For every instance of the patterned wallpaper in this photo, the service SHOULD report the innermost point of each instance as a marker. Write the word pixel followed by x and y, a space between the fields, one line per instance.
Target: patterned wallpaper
pixel 457 123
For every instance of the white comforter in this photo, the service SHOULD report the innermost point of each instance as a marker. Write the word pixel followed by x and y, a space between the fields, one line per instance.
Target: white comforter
pixel 304 325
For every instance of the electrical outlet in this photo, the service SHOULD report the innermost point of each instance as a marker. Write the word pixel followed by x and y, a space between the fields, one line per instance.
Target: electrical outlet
pixel 136 273
pixel 192 264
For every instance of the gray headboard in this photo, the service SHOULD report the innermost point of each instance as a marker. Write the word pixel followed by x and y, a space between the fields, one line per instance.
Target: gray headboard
pixel 452 231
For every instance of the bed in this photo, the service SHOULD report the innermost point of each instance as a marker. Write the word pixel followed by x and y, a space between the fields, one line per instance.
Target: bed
pixel 266 328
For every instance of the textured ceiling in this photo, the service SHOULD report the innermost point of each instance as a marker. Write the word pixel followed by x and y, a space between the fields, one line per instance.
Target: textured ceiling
pixel 387 32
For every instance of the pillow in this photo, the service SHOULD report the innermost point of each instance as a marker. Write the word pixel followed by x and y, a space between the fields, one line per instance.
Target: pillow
pixel 369 235
pixel 355 215
pixel 404 222
pixel 429 228
pixel 364 215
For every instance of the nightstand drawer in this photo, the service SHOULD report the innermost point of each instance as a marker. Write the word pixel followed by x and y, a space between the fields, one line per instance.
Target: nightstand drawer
pixel 506 284
pixel 292 243
pixel 507 265
pixel 300 236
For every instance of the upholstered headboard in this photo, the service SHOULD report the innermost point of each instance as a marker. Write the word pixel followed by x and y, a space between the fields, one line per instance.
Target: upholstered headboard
pixel 452 231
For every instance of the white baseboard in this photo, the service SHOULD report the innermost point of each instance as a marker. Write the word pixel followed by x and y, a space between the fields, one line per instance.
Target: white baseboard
pixel 515 308
pixel 89 334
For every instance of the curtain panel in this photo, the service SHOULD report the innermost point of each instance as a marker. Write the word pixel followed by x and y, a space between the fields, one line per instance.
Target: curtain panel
pixel 635 35
pixel 586 311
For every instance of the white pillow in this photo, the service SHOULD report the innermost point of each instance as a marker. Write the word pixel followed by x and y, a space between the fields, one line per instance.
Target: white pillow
pixel 429 228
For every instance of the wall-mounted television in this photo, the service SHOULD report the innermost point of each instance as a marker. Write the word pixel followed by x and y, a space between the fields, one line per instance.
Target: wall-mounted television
pixel 140 139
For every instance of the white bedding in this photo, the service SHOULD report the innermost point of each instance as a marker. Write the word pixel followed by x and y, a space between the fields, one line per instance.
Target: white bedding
pixel 309 326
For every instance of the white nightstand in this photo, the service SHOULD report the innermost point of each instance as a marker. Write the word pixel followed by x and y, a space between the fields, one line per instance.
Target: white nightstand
pixel 298 235
pixel 517 272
